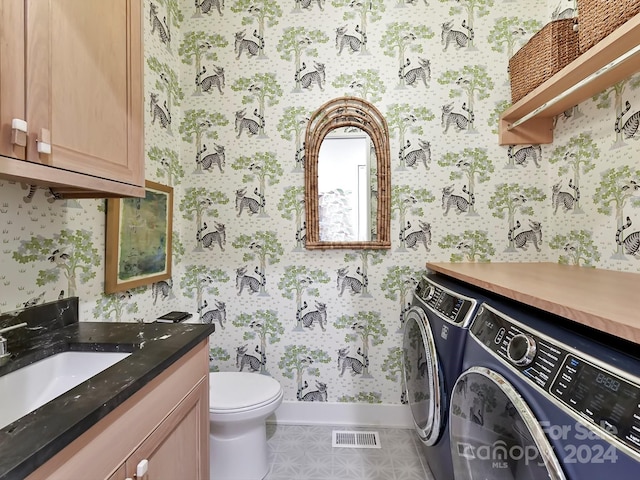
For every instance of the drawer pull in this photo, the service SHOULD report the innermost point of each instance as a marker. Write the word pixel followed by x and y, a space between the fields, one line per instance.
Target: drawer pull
pixel 44 142
pixel 19 132
pixel 142 468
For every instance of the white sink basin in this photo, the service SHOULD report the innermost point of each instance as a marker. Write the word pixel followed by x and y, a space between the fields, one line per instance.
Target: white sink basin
pixel 29 388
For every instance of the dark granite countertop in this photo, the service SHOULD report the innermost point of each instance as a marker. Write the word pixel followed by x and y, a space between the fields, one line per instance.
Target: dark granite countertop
pixel 30 441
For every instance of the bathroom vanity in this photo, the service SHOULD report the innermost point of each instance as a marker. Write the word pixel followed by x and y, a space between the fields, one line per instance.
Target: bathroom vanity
pixel 146 413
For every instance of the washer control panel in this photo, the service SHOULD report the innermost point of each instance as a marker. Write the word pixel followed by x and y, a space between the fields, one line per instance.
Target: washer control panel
pixel 535 358
pixel 453 307
pixel 589 388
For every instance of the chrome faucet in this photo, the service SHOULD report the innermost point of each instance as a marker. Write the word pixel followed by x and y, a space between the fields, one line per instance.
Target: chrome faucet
pixel 3 341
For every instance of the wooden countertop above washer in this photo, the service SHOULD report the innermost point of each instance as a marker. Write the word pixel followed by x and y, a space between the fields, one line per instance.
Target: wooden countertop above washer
pixel 606 300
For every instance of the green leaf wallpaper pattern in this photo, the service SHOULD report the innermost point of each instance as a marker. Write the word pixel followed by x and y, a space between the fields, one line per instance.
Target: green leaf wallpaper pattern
pixel 228 91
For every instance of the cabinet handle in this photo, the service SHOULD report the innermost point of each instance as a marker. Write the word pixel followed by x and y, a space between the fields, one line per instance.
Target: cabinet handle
pixel 19 132
pixel 44 142
pixel 142 468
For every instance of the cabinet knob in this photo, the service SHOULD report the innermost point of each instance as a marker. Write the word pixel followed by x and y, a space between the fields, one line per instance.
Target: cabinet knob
pixel 19 132
pixel 44 142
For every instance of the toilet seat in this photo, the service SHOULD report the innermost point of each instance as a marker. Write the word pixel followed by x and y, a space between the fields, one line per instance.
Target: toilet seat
pixel 235 392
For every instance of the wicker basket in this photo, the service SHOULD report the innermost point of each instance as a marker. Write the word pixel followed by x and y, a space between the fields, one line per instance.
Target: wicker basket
pixel 598 18
pixel 546 53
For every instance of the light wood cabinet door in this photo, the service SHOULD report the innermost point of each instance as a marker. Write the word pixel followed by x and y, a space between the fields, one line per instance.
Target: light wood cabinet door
pixel 84 86
pixel 166 422
pixel 12 96
pixel 178 448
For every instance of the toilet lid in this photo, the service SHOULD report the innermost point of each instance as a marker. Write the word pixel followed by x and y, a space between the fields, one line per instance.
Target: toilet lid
pixel 237 390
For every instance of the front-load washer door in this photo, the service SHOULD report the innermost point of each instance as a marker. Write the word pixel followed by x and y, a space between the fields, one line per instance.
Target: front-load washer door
pixel 422 376
pixel 494 434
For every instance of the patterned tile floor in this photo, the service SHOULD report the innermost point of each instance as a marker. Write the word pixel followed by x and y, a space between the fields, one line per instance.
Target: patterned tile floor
pixel 305 453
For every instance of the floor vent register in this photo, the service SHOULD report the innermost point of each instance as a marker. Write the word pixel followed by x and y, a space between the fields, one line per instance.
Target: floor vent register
pixel 355 439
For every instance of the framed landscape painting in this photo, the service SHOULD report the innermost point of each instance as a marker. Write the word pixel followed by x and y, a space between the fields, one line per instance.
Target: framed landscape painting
pixel 138 239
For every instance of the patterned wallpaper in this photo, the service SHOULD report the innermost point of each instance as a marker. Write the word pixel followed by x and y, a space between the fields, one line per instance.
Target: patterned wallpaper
pixel 228 91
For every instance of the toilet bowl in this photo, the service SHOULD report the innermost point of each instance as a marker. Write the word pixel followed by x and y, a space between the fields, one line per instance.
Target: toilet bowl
pixel 239 404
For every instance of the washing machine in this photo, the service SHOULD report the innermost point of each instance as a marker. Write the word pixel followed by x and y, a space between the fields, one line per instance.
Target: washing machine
pixel 540 399
pixel 435 330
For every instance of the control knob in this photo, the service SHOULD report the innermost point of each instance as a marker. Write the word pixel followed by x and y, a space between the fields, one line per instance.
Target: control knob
pixel 429 292
pixel 521 349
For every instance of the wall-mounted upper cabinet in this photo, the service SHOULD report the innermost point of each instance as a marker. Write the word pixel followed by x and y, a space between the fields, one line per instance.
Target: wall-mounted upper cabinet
pixel 71 113
pixel 613 59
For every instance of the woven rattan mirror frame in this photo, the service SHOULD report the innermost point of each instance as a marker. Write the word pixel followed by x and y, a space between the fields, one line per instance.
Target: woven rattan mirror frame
pixel 338 113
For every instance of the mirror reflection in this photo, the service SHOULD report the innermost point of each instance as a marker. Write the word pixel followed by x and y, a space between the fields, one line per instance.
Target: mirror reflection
pixel 344 186
pixel 347 177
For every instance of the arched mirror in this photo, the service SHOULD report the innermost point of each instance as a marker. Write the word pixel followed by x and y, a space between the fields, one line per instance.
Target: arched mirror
pixel 347 177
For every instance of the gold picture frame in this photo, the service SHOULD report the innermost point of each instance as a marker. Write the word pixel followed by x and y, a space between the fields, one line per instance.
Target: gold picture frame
pixel 138 239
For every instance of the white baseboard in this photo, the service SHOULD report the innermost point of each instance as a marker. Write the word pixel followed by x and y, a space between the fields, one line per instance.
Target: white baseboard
pixel 354 414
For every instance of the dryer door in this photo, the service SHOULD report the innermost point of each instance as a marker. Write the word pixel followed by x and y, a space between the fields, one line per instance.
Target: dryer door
pixel 494 433
pixel 422 376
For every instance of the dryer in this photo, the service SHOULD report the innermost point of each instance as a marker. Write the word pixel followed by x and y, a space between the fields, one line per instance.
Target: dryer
pixel 539 400
pixel 435 330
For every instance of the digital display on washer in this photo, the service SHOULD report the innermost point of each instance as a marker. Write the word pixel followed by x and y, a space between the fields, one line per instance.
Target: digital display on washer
pixel 448 304
pixel 603 398
pixel 452 307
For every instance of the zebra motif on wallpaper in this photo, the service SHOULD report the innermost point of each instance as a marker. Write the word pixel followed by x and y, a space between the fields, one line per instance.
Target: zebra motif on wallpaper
pixel 161 289
pixel 460 203
pixel 217 158
pixel 318 316
pixel 422 154
pixel 32 192
pixel 306 4
pixel 207 83
pixel 162 27
pixel 252 284
pixel 403 311
pixel 319 395
pixel 252 127
pixel 523 238
pixel 300 156
pixel 300 236
pixel 124 296
pixel 419 236
pixel 458 120
pixel 164 116
pixel 206 6
pixel 34 301
pixel 355 366
pixel 559 14
pixel 218 236
pixel 354 43
pixel 58 257
pixel 565 199
pixel 459 39
pixel 521 156
pixel 423 72
pixel 316 76
pixel 630 127
pixel 218 315
pixel 632 242
pixel 351 284
pixel 241 44
pixel 243 359
pixel 251 204
pixel 50 195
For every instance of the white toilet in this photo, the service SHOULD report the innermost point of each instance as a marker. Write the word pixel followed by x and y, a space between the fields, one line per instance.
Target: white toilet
pixel 239 404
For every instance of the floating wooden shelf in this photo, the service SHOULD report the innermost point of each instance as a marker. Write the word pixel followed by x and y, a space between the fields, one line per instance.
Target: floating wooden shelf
pixel 568 87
